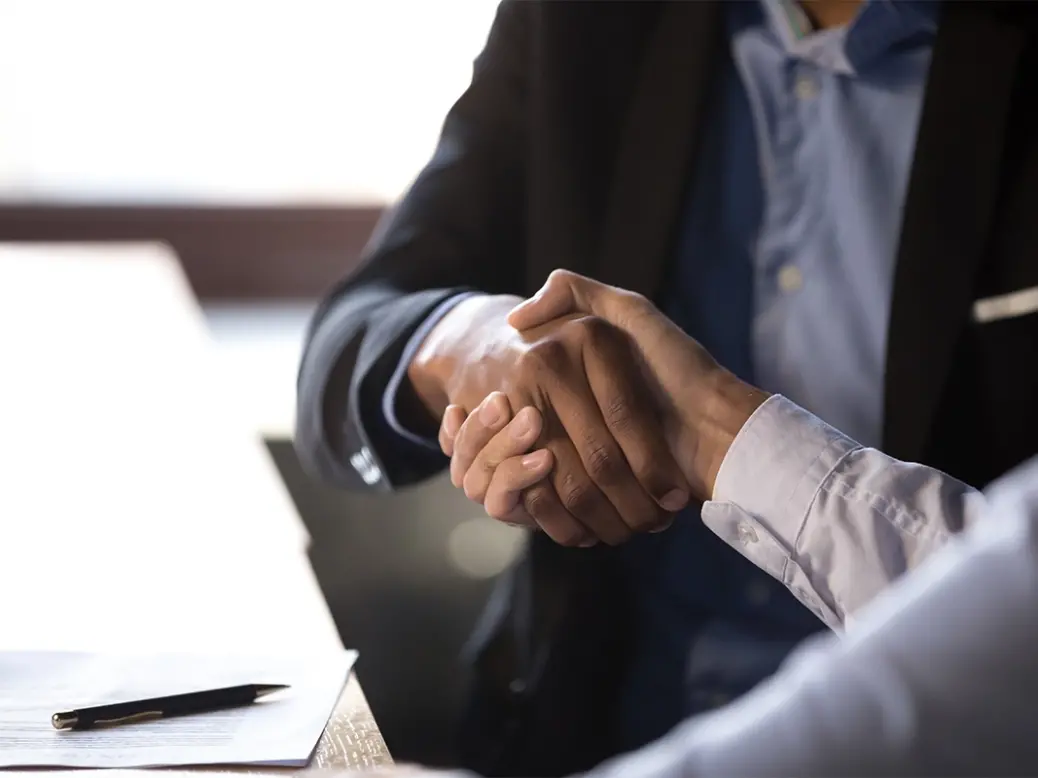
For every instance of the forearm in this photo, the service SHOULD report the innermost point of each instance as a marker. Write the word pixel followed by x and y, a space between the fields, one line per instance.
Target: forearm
pixel 834 521
pixel 937 678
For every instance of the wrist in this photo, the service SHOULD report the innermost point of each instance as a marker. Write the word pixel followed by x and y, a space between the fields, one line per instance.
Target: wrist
pixel 432 365
pixel 450 345
pixel 726 405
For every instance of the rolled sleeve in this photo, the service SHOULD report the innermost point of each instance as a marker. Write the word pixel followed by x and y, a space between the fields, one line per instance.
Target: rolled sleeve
pixel 833 521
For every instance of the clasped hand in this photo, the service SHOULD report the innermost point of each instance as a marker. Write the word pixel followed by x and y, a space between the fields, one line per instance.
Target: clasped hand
pixel 649 410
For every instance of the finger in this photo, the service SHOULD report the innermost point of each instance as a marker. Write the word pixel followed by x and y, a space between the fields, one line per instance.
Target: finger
pixel 453 418
pixel 482 424
pixel 515 439
pixel 542 504
pixel 601 462
pixel 633 419
pixel 665 525
pixel 566 292
pixel 554 299
pixel 504 493
pixel 577 491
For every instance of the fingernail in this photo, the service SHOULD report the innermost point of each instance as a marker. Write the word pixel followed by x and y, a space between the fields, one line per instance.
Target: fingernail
pixel 589 543
pixel 674 500
pixel 533 461
pixel 490 414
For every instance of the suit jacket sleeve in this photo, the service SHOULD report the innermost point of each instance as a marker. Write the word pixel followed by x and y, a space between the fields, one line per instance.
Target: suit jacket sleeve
pixel 460 227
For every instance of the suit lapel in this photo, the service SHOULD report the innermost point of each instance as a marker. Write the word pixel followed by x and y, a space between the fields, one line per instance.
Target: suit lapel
pixel 948 212
pixel 656 145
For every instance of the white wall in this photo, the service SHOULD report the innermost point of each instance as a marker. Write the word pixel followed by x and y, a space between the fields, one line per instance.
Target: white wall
pixel 216 100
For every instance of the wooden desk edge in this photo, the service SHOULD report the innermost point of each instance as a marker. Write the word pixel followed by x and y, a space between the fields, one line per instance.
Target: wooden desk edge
pixel 352 739
pixel 350 742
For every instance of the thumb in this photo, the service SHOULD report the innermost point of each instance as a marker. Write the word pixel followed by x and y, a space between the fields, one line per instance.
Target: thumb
pixel 563 293
pixel 658 338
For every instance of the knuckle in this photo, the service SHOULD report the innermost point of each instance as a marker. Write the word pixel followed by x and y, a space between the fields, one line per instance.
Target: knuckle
pixel 618 413
pixel 486 465
pixel 546 356
pixel 577 495
pixel 655 479
pixel 537 501
pixel 597 328
pixel 639 308
pixel 604 464
pixel 639 302
pixel 559 275
pixel 590 330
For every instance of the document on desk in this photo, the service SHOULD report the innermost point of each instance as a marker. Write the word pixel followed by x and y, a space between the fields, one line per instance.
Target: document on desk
pixel 280 730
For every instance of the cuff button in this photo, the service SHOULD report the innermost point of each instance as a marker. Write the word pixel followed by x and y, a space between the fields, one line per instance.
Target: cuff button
pixel 747 534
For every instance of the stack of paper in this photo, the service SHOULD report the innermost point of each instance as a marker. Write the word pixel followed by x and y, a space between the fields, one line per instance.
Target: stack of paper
pixel 280 730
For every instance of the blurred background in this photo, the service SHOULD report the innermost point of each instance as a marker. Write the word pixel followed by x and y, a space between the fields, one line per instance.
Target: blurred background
pixel 262 140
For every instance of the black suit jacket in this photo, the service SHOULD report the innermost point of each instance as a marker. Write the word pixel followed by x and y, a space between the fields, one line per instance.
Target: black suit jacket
pixel 572 148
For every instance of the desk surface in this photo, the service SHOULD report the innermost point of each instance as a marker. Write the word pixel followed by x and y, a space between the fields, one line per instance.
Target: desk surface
pixel 139 509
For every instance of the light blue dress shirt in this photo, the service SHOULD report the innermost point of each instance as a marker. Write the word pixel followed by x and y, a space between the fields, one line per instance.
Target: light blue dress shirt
pixel 784 272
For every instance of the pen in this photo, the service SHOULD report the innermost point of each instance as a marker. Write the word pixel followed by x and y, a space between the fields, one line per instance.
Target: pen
pixel 162 707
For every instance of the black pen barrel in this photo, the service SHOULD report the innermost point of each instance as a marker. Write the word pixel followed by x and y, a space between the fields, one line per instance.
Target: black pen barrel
pixel 160 707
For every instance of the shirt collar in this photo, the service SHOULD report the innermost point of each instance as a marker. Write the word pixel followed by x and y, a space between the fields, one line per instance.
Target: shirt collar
pixel 879 26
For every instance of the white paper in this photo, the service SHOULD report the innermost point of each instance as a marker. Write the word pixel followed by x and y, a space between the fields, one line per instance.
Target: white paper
pixel 282 729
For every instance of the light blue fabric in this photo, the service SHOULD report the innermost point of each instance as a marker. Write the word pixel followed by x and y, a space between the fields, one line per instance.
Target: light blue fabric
pixel 784 272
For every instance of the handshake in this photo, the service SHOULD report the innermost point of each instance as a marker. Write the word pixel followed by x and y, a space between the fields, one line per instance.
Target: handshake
pixel 583 411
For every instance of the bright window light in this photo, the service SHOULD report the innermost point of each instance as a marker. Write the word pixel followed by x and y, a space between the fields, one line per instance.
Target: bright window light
pixel 227 101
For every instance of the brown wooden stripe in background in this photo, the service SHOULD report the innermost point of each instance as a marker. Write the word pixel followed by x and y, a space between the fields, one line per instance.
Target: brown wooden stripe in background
pixel 229 253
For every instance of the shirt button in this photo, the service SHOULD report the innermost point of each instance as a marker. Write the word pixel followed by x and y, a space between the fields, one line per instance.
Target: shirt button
pixel 805 87
pixel 746 533
pixel 790 279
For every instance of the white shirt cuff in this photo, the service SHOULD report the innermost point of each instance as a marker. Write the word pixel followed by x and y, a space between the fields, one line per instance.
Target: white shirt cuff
pixel 765 487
